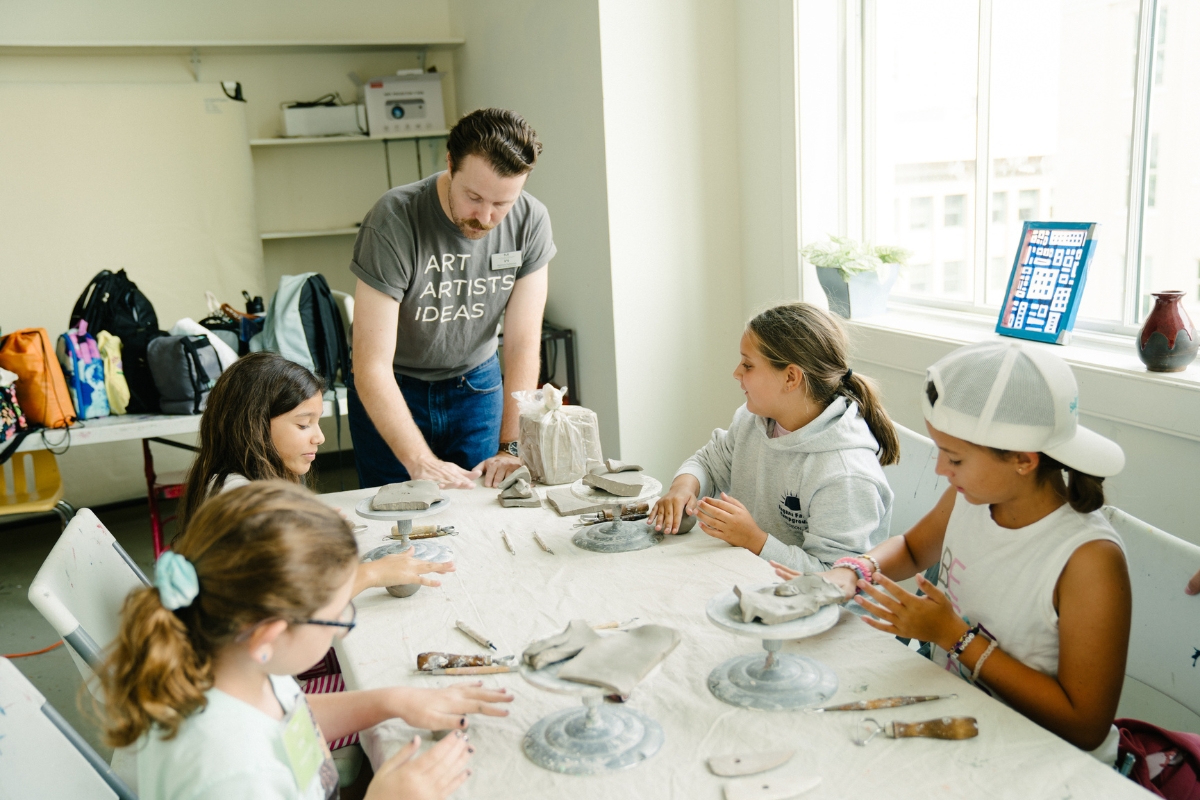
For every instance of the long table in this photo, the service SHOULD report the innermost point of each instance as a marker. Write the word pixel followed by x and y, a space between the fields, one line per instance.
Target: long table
pixel 516 599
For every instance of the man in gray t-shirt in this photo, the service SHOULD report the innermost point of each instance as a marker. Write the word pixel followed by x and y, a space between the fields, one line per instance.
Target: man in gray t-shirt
pixel 438 263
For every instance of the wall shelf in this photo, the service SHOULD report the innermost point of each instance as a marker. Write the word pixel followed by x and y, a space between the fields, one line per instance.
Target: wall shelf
pixel 220 47
pixel 309 234
pixel 343 139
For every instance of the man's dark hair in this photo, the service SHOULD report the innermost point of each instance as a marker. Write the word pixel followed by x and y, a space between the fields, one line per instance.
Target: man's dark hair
pixel 502 137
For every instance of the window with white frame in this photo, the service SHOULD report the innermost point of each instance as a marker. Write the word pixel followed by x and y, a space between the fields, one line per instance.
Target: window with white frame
pixel 954 121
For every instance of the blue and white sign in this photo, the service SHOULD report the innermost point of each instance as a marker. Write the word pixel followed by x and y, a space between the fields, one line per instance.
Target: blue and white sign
pixel 1047 281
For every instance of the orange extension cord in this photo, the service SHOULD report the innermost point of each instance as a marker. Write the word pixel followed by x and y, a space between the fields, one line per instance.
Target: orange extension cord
pixel 33 652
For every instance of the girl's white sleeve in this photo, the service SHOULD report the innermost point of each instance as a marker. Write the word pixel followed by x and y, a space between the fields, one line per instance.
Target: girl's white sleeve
pixel 843 516
pixel 712 465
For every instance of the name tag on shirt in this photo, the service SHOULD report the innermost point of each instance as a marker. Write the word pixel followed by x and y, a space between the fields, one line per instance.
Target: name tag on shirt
pixel 506 260
pixel 303 744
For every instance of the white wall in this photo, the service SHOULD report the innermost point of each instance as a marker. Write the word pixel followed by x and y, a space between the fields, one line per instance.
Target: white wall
pixel 674 226
pixel 541 58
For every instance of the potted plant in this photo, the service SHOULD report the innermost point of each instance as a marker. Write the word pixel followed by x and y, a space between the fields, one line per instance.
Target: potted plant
pixel 856 276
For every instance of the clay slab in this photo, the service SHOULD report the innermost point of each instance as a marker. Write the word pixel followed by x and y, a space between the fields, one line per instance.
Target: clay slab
pixel 622 484
pixel 407 496
pixel 748 763
pixel 566 644
pixel 521 473
pixel 567 504
pixel 618 663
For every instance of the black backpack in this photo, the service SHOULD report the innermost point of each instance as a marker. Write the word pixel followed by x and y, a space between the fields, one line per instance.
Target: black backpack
pixel 112 302
pixel 322 320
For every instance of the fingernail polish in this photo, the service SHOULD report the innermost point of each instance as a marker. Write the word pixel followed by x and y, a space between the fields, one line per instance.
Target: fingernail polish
pixel 470 749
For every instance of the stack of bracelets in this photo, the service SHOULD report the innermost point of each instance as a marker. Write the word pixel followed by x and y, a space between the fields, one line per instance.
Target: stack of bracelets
pixel 965 640
pixel 864 567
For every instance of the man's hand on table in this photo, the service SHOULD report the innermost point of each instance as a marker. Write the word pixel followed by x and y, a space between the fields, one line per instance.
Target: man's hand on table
pixel 497 468
pixel 432 775
pixel 447 709
pixel 447 475
pixel 400 568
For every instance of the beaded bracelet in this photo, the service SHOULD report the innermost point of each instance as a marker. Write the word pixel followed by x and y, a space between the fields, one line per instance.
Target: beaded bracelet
pixel 964 641
pixel 982 658
pixel 874 563
pixel 854 564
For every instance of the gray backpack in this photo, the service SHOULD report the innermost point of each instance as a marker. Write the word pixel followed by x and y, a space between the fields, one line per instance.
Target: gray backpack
pixel 184 369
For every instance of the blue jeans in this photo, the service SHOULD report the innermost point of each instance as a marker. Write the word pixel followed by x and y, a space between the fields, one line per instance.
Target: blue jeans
pixel 459 418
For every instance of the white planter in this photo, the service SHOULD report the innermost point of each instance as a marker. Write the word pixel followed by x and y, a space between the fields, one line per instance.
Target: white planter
pixel 864 295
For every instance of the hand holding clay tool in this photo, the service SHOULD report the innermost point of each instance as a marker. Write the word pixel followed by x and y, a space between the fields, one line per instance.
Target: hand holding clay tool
pixel 507 542
pixel 940 728
pixel 474 634
pixel 492 670
pixel 541 544
pixel 885 702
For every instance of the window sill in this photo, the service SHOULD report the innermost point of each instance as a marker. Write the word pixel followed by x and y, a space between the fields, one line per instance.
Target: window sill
pixel 1102 351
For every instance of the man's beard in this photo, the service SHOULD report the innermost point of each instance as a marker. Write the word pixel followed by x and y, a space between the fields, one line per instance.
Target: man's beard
pixel 470 228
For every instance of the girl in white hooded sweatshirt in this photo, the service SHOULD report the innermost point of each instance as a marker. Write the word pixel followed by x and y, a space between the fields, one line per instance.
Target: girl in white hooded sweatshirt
pixel 797 478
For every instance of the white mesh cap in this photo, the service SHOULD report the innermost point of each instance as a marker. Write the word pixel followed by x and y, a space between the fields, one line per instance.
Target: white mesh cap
pixel 1007 395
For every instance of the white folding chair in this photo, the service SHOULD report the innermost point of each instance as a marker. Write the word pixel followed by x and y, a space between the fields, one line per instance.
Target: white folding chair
pixel 41 755
pixel 347 301
pixel 1164 639
pixel 79 590
pixel 914 482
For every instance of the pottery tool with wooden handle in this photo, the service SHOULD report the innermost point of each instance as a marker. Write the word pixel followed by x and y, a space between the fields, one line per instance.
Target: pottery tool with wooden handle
pixel 748 763
pixel 779 788
pixel 492 670
pixel 885 702
pixel 425 532
pixel 435 660
pixel 475 635
pixel 940 728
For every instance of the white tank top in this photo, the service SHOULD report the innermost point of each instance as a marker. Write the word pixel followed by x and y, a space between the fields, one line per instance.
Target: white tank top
pixel 1004 580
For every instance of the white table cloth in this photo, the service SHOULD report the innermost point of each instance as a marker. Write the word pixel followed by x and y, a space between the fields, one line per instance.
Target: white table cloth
pixel 516 599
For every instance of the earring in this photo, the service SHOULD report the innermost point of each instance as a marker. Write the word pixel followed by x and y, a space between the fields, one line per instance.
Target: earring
pixel 263 656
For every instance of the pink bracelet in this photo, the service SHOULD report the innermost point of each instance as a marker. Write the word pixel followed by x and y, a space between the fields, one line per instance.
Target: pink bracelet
pixel 857 564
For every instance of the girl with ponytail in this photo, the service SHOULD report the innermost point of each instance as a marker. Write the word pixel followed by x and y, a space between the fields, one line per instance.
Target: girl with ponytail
pixel 254 591
pixel 797 478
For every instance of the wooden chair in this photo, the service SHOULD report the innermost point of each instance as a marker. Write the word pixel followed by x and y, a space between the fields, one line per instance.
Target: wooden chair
pixel 42 755
pixel 31 484
pixel 914 482
pixel 1164 638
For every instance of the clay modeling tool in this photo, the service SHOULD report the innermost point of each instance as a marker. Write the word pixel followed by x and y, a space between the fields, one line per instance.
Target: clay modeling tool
pixel 492 670
pixel 474 634
pixel 425 532
pixel 507 542
pixel 773 789
pixel 542 544
pixel 885 702
pixel 940 728
pixel 748 763
pixel 630 512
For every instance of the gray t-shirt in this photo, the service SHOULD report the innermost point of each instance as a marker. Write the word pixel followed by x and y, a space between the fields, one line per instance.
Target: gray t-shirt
pixel 451 289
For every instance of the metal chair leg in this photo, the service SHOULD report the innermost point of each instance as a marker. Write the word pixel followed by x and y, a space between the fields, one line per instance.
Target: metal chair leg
pixel 65 512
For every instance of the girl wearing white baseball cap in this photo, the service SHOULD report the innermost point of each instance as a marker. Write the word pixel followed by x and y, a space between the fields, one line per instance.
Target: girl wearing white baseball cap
pixel 1033 598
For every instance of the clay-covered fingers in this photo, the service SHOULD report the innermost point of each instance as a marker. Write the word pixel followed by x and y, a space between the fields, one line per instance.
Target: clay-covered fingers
pixel 667 513
pixel 787 573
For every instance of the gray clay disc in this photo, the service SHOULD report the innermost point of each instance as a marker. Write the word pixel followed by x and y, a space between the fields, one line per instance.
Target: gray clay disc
pixel 616 537
pixel 363 509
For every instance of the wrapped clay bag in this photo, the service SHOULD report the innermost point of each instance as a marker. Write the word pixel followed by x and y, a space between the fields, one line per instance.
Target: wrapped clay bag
pixel 556 441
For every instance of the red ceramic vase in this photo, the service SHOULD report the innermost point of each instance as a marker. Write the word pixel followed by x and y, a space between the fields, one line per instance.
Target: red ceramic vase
pixel 1167 342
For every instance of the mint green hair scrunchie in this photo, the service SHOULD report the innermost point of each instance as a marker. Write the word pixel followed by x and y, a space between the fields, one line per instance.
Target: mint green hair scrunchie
pixel 176 581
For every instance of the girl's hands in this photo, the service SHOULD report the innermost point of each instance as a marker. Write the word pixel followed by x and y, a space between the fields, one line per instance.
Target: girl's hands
pixel 844 579
pixel 446 709
pixel 930 618
pixel 432 775
pixel 669 509
pixel 401 568
pixel 726 518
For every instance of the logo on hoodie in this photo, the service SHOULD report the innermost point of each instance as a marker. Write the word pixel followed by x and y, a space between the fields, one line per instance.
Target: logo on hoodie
pixel 793 514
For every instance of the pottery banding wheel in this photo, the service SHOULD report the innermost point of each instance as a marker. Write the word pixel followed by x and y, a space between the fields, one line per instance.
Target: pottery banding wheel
pixel 589 739
pixel 781 681
pixel 616 537
pixel 424 551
